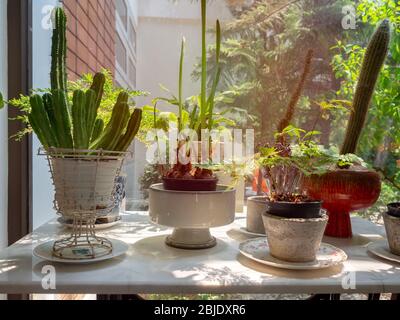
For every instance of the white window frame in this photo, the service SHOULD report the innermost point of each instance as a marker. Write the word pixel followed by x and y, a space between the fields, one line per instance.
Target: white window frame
pixel 122 76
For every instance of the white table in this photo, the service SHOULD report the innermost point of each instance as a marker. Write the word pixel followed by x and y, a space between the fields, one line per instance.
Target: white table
pixel 152 267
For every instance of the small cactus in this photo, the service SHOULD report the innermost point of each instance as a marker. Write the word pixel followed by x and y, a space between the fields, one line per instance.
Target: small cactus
pixel 373 61
pixel 58 73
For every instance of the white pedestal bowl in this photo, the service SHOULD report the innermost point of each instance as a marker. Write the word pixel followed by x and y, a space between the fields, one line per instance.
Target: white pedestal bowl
pixel 192 214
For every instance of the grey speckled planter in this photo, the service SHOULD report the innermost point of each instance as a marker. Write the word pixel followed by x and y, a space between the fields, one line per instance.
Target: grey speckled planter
pixel 392 225
pixel 294 240
pixel 256 207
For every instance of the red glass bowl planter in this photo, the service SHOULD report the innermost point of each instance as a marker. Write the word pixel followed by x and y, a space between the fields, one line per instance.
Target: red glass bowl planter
pixel 343 191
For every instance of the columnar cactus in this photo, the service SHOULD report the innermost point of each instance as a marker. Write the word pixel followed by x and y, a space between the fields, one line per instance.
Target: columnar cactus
pixel 373 61
pixel 58 73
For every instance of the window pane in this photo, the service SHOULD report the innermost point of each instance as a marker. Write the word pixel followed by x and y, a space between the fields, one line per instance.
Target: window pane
pixel 122 11
pixel 133 38
pixel 132 73
pixel 121 53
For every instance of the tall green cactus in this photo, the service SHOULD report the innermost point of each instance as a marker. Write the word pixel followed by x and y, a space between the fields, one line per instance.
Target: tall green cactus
pixel 58 73
pixel 373 61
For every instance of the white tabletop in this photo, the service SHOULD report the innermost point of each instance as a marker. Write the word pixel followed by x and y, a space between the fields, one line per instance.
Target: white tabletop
pixel 152 267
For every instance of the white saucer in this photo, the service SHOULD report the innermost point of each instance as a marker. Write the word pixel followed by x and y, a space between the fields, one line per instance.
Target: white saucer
pixel 382 250
pixel 258 250
pixel 45 251
pixel 98 227
pixel 249 233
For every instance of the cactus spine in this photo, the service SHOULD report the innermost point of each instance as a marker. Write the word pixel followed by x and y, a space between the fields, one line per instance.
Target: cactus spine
pixel 58 74
pixel 373 61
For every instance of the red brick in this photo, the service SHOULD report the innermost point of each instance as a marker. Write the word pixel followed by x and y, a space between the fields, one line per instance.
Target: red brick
pixel 90 36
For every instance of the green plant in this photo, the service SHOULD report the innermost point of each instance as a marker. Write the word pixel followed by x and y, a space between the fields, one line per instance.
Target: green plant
pixel 197 112
pixel 1 101
pixel 285 165
pixel 58 74
pixel 374 59
pixel 67 119
pixel 110 93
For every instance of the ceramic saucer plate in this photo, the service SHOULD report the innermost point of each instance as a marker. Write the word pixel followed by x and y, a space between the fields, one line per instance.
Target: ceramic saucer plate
pixel 45 252
pixel 98 226
pixel 381 249
pixel 249 233
pixel 258 250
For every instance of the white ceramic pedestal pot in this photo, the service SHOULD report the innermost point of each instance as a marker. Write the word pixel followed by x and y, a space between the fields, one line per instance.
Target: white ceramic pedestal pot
pixel 294 240
pixel 256 207
pixel 192 214
pixel 84 185
pixel 392 225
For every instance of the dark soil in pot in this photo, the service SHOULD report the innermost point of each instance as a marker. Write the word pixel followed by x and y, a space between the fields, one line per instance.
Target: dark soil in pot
pixel 188 178
pixel 295 210
pixel 190 184
pixel 394 209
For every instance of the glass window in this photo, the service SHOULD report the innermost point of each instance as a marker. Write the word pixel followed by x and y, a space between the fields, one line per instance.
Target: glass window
pixel 122 11
pixel 132 73
pixel 133 37
pixel 121 52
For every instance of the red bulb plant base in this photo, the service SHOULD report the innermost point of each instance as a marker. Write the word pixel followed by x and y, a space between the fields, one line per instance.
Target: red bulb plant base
pixel 343 191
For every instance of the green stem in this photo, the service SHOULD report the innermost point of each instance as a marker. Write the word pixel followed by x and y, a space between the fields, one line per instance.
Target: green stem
pixel 180 124
pixel 203 100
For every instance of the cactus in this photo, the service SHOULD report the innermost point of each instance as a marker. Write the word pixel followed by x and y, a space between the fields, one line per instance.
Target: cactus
pixel 97 130
pixel 50 117
pixel 58 74
pixel 132 130
pixel 119 119
pixel 63 119
pixel 373 61
pixel 40 122
pixel 296 94
pixel 78 119
pixel 49 107
pixel 98 87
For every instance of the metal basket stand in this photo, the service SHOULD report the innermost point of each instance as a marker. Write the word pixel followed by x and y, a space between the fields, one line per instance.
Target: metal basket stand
pixel 84 182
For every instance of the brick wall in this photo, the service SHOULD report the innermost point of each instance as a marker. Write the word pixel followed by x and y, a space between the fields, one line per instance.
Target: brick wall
pixel 90 36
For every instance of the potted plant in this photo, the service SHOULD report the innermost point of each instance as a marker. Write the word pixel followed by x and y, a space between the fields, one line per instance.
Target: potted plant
pixel 392 226
pixel 190 199
pixel 84 153
pixel 186 176
pixel 256 204
pixel 353 188
pixel 294 222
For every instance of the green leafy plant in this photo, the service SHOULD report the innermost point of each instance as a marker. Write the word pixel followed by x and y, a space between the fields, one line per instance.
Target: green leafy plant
pixel 1 101
pixel 285 165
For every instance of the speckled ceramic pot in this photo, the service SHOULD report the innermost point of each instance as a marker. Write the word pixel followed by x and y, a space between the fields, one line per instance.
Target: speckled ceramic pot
pixel 294 240
pixel 392 225
pixel 256 207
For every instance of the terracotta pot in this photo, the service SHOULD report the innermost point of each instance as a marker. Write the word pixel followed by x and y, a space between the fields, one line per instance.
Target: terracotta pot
pixel 343 191
pixel 294 240
pixel 392 225
pixel 256 207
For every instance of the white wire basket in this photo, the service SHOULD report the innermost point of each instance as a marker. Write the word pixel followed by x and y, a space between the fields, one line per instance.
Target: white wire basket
pixel 84 183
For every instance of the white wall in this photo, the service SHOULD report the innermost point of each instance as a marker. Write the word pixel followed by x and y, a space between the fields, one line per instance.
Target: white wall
pixel 3 126
pixel 42 188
